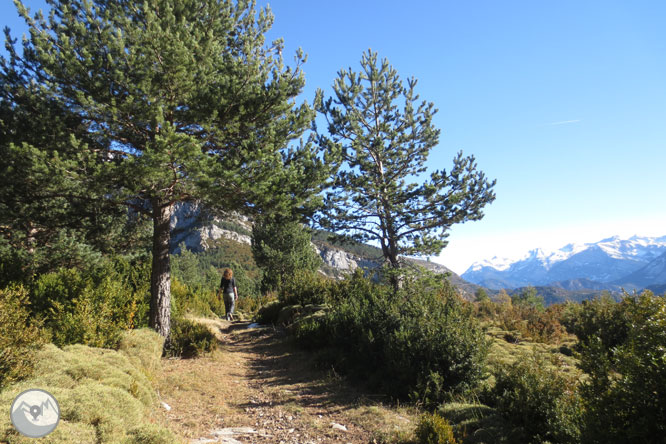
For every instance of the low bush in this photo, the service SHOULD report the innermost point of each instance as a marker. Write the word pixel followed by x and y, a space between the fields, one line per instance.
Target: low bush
pixel 189 339
pixel 420 343
pixel 601 319
pixel 268 314
pixel 433 429
pixel 20 337
pixel 533 322
pixel 625 394
pixel 305 288
pixel 91 307
pixel 186 299
pixel 539 400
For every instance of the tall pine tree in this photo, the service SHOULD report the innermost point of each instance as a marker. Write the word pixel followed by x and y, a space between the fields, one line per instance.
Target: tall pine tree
pixel 282 247
pixel 180 100
pixel 386 135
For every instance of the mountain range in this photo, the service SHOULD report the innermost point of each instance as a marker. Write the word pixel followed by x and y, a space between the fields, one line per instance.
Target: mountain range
pixel 610 264
pixel 576 271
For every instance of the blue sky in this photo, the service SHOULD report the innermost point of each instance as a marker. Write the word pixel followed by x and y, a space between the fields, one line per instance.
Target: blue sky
pixel 564 103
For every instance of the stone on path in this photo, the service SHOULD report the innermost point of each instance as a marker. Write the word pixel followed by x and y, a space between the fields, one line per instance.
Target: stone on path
pixel 226 436
pixel 336 426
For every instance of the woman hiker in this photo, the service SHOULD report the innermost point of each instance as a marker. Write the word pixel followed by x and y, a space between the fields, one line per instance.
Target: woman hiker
pixel 228 289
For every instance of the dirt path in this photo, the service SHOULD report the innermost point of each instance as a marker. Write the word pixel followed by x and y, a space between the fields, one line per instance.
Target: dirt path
pixel 257 388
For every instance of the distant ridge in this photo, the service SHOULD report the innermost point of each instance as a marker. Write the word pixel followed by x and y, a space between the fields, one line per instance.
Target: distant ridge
pixel 609 264
pixel 197 231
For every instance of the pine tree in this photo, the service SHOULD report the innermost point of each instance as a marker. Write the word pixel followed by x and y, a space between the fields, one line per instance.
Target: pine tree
pixel 180 100
pixel 46 222
pixel 282 247
pixel 385 137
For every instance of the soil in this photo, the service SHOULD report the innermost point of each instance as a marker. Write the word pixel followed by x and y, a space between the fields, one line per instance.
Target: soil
pixel 258 388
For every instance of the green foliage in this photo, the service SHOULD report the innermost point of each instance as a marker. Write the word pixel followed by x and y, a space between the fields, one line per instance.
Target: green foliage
pixel 268 314
pixel 481 295
pixel 529 298
pixel 186 299
pixel 51 214
pixel 206 114
pixel 625 394
pixel 383 137
pixel 532 322
pixel 420 343
pixel 601 321
pixel 20 336
pixel 433 429
pixel 201 273
pixel 304 287
pixel 91 307
pixel 189 339
pixel 309 332
pixel 281 247
pixel 539 400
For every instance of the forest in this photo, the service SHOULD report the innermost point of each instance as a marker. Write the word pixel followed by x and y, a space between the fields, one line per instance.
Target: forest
pixel 114 114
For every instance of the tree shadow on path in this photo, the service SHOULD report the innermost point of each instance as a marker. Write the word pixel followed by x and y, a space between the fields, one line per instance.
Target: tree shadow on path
pixel 290 376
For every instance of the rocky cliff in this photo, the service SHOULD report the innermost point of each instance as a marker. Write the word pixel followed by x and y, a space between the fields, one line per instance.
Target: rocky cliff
pixel 196 230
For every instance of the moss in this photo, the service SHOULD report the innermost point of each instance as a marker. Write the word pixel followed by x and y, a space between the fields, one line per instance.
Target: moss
pixel 143 347
pixel 104 395
pixel 150 434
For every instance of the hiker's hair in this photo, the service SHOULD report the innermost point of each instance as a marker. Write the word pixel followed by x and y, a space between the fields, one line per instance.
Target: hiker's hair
pixel 227 273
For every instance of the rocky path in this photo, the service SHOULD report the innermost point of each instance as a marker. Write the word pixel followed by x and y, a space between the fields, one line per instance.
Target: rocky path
pixel 257 388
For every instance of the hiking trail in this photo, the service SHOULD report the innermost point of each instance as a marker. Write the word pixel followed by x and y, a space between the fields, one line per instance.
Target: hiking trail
pixel 258 388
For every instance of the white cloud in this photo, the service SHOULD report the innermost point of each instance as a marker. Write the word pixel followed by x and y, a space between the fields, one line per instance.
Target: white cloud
pixel 564 122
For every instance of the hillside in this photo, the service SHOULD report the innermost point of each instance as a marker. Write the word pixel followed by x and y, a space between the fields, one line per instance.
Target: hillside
pixel 198 232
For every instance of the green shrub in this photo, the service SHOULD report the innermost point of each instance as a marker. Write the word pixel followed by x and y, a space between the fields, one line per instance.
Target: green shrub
pixel 540 325
pixel 252 304
pixel 268 314
pixel 305 288
pixel 625 395
pixel 186 299
pixel 528 298
pixel 421 343
pixel 91 307
pixel 309 331
pixel 601 319
pixel 433 429
pixel 282 247
pixel 20 336
pixel 189 339
pixel 539 400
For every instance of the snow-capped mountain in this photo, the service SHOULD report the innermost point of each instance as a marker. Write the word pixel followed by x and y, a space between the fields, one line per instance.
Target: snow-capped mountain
pixel 607 261
pixel 653 274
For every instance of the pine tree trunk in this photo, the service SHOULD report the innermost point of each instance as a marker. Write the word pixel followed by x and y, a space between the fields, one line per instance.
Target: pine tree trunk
pixel 160 278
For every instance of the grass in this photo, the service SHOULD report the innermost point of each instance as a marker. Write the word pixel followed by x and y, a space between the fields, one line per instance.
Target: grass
pixel 105 396
pixel 507 347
